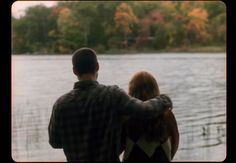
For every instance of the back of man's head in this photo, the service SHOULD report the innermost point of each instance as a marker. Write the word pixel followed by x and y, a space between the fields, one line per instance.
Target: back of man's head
pixel 84 61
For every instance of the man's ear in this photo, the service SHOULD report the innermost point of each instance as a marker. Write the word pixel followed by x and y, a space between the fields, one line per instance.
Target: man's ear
pixel 97 67
pixel 75 71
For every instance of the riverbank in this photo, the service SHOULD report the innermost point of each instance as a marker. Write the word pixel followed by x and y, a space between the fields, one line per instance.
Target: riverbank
pixel 193 49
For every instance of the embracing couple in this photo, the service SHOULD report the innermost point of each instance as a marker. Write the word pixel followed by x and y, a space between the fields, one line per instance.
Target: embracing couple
pixel 94 122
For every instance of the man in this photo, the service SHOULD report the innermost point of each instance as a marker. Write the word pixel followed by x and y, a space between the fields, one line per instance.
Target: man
pixel 86 122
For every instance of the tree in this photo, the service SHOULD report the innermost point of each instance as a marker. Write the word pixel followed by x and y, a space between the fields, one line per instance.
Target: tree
pixel 69 33
pixel 31 31
pixel 217 21
pixel 125 19
pixel 197 25
pixel 19 44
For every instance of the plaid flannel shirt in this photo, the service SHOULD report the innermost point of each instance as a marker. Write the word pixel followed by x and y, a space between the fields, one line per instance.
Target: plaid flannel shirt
pixel 86 122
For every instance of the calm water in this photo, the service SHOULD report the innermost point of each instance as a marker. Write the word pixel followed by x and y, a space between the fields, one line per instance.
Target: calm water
pixel 195 82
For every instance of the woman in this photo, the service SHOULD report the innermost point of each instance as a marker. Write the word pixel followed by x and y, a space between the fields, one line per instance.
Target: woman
pixel 151 140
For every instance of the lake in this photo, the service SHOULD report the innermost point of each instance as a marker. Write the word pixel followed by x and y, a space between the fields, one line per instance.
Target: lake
pixel 196 83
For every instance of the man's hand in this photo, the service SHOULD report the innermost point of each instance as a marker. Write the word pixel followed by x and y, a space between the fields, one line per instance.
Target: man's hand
pixel 166 101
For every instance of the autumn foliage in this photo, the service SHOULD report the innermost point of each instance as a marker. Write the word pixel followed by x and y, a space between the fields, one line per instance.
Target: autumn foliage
pixel 125 18
pixel 126 25
pixel 197 25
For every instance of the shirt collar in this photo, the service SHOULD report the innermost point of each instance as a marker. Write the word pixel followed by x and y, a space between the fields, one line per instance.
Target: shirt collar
pixel 85 84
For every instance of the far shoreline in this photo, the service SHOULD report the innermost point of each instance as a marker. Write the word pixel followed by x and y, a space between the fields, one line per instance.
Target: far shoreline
pixel 203 49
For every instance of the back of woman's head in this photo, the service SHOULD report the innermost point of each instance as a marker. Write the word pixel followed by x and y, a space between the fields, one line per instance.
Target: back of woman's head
pixel 144 87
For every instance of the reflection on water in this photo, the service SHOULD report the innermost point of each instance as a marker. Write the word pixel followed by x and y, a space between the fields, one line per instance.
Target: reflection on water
pixel 195 82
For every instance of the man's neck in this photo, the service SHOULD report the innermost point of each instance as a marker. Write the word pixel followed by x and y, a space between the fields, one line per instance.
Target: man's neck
pixel 88 77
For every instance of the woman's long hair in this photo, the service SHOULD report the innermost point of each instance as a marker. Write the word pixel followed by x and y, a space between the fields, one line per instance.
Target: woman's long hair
pixel 144 87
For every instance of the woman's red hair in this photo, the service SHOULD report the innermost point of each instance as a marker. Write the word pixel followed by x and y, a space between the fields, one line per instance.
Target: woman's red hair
pixel 144 87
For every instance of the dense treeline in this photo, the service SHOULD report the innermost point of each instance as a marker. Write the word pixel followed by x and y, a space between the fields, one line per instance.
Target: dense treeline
pixel 130 25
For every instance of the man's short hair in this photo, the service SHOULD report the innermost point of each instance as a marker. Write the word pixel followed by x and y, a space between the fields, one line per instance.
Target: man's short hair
pixel 84 60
